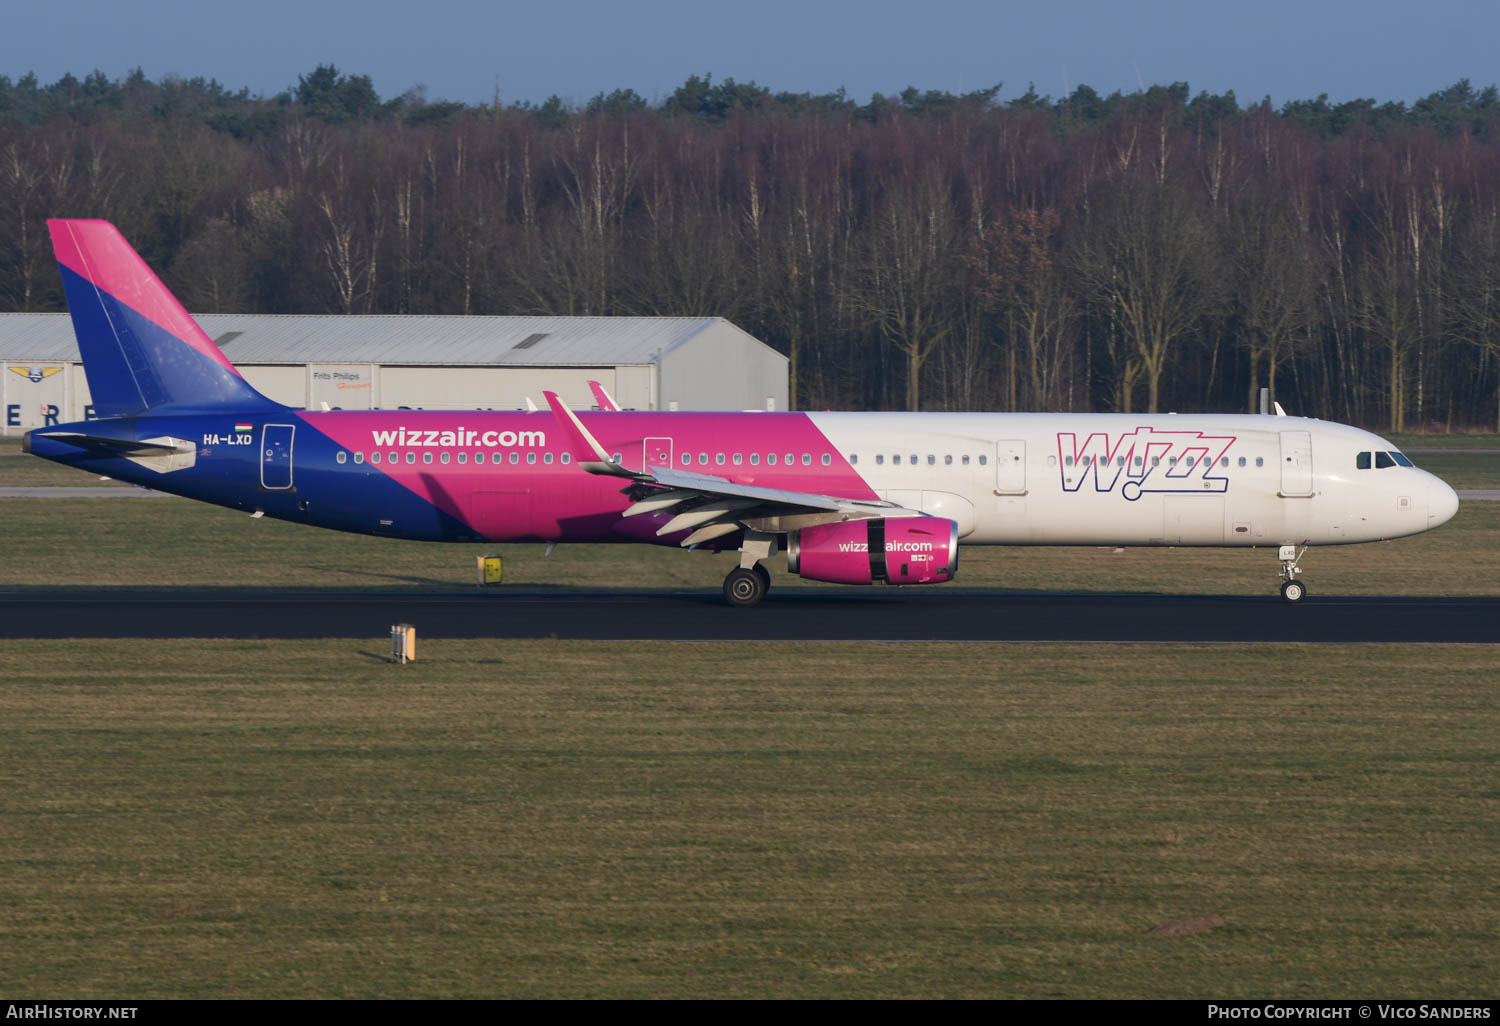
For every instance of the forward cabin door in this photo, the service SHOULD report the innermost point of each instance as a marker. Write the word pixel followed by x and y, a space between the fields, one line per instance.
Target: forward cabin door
pixel 276 456
pixel 1010 467
pixel 1296 464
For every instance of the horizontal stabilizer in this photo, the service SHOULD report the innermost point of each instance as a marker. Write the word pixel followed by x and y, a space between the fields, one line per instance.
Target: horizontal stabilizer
pixel 113 446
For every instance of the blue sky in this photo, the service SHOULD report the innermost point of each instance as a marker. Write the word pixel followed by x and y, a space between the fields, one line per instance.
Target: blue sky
pixel 461 49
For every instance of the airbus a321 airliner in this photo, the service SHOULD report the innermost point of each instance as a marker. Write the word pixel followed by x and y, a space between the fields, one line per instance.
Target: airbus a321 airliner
pixel 852 498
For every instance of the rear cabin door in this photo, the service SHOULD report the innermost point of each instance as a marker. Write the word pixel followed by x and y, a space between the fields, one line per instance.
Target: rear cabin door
pixel 1296 464
pixel 276 456
pixel 1010 467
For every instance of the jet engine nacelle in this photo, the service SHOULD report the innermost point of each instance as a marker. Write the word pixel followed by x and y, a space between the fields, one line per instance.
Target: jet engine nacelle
pixel 901 550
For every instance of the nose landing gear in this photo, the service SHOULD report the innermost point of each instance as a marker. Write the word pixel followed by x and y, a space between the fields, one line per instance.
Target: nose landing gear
pixel 1292 590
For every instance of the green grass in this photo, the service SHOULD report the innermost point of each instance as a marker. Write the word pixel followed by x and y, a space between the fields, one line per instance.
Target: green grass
pixel 1462 469
pixel 1413 440
pixel 540 819
pixel 23 470
pixel 171 543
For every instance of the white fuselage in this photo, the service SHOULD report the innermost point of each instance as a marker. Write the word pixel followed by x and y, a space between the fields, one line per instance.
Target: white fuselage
pixel 1103 479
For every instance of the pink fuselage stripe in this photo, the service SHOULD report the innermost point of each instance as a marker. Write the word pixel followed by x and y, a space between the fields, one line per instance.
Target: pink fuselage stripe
pixel 563 492
pixel 98 253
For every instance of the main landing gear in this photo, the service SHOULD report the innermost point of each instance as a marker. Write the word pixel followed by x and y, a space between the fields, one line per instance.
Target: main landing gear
pixel 1292 590
pixel 748 583
pixel 746 587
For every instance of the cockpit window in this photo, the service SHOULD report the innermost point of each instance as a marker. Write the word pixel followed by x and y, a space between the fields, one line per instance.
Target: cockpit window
pixel 1362 461
pixel 1399 458
pixel 1383 460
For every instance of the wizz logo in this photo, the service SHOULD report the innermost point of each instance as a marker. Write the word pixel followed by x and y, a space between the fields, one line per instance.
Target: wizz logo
pixel 1144 460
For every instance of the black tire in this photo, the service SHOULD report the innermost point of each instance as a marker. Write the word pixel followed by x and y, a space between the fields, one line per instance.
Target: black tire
pixel 1294 591
pixel 765 575
pixel 744 587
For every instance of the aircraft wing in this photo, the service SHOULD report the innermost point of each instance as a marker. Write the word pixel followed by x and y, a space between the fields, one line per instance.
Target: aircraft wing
pixel 603 399
pixel 713 505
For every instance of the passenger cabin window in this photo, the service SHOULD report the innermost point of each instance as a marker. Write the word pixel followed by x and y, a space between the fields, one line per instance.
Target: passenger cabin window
pixel 770 459
pixel 687 459
pixel 983 460
pixel 547 459
pixel 965 461
pixel 359 457
pixel 827 460
pixel 739 458
pixel 896 459
pixel 807 459
pixel 445 457
pixel 755 459
pixel 342 457
pixel 854 459
pixel 1260 461
pixel 463 458
pixel 880 459
pixel 567 457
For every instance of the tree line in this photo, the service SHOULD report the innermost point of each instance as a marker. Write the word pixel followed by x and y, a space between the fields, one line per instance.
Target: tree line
pixel 1138 252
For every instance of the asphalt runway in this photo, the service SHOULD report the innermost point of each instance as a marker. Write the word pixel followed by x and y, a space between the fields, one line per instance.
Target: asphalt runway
pixel 884 614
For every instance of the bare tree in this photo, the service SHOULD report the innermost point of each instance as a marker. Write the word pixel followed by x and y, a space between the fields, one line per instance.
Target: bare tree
pixel 1271 285
pixel 908 278
pixel 1147 258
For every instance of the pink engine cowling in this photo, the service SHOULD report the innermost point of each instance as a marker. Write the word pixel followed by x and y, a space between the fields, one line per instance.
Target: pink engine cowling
pixel 902 550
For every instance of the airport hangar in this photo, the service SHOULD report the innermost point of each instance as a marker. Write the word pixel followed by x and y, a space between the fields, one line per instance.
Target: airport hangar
pixel 427 362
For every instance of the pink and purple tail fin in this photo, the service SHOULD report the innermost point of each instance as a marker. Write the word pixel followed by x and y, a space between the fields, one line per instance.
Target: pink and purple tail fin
pixel 141 350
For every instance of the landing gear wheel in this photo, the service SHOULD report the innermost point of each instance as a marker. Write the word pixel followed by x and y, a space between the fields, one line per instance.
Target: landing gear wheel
pixel 765 576
pixel 1294 591
pixel 745 587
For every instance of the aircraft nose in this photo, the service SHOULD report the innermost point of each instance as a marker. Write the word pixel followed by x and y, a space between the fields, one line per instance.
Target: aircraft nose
pixel 1442 503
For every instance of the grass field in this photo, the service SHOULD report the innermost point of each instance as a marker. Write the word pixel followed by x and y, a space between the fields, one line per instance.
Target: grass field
pixel 529 819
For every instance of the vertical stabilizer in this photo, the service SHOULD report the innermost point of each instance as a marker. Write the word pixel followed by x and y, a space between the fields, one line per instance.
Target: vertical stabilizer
pixel 141 350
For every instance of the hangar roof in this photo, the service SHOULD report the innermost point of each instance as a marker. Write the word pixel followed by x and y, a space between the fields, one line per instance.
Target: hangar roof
pixel 398 339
